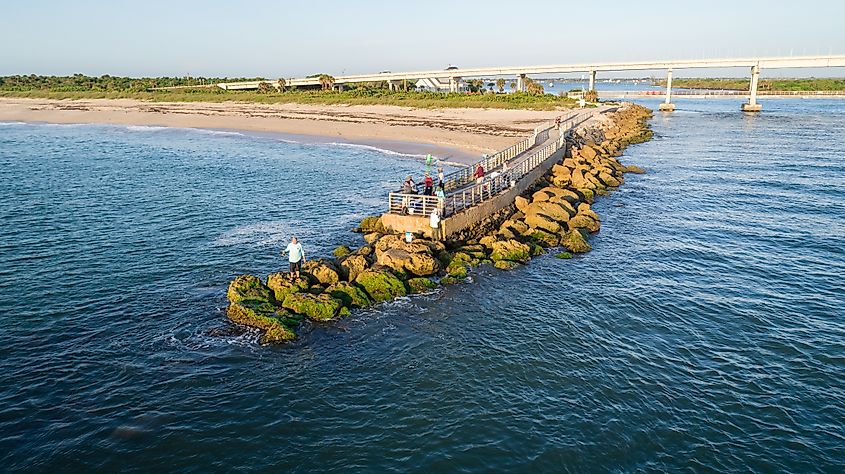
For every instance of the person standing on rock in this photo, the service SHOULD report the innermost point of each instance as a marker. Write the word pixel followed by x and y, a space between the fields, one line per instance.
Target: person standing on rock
pixel 296 257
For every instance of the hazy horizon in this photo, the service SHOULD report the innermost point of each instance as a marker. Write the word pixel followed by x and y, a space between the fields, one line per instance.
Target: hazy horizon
pixel 281 39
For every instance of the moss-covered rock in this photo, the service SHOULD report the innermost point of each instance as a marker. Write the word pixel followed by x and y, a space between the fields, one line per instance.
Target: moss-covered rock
pixel 281 285
pixel 263 316
pixel 421 285
pixel 248 288
pixel 457 269
pixel 511 250
pixel 351 295
pixel 563 255
pixel 505 264
pixel 449 280
pixel 536 250
pixel 316 307
pixel 575 241
pixel 381 285
pixel 341 251
pixel 371 224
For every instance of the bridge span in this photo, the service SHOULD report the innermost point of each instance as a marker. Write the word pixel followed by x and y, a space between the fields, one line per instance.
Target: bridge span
pixel 455 75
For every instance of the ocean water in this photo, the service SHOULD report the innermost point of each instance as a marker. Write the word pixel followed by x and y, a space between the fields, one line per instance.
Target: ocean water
pixel 703 333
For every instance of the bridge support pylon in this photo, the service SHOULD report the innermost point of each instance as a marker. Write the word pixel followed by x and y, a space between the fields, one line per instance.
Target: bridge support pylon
pixel 520 83
pixel 752 105
pixel 592 86
pixel 667 105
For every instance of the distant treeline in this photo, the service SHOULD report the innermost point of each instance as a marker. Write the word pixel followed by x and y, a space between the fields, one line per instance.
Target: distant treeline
pixel 779 85
pixel 106 83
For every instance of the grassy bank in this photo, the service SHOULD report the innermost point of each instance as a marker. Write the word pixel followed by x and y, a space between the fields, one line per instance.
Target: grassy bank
pixel 775 85
pixel 424 100
pixel 108 87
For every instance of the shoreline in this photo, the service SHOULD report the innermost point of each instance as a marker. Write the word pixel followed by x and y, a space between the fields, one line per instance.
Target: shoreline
pixel 454 135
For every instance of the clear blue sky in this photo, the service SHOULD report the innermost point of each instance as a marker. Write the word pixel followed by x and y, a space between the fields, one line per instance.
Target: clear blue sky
pixel 293 38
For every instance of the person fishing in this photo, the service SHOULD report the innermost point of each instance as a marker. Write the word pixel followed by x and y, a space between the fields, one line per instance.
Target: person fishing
pixel 296 257
pixel 441 178
pixel 408 187
pixel 434 223
pixel 479 174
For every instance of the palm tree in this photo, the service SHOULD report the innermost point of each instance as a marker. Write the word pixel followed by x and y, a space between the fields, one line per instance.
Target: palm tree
pixel 264 86
pixel 280 84
pixel 326 81
pixel 512 85
pixel 500 83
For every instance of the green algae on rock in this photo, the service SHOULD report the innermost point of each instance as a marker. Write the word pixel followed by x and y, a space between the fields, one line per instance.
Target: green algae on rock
pixel 282 286
pixel 260 317
pixel 420 285
pixel 381 285
pixel 316 307
pixel 351 295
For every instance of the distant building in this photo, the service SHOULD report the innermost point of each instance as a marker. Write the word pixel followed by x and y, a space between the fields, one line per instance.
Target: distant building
pixel 437 84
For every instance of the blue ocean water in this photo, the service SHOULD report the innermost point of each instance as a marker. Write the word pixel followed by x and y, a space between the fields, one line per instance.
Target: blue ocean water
pixel 704 332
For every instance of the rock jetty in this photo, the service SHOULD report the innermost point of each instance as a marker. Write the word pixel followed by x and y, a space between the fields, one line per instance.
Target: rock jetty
pixel 554 213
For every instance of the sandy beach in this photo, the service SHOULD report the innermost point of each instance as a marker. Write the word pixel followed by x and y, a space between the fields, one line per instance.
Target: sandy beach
pixel 455 134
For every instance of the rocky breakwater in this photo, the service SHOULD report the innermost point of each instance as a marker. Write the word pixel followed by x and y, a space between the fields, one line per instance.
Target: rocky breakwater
pixel 554 213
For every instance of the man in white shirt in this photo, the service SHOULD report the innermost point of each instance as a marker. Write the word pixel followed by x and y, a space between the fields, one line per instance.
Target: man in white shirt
pixel 435 224
pixel 296 257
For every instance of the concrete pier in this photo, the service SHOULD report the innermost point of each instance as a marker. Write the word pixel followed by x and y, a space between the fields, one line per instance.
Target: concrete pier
pixel 592 85
pixel 752 105
pixel 667 105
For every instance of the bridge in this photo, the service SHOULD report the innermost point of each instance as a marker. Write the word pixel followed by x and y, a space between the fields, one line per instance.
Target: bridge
pixel 508 173
pixel 455 75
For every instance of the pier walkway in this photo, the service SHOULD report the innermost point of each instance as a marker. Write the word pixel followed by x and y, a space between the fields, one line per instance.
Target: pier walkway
pixel 508 173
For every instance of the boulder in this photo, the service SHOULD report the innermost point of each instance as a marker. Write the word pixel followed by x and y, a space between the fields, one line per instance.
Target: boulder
pixel 282 286
pixel 263 316
pixel 516 226
pixel 421 285
pixel 372 237
pixel 505 265
pixel 511 250
pixel 323 271
pixel 380 285
pixel 315 307
pixel 609 180
pixel 521 203
pixel 536 250
pixel 353 266
pixel 417 263
pixel 582 221
pixel 547 239
pixel 563 255
pixel 634 169
pixel 587 152
pixel 539 221
pixel 586 210
pixel 575 241
pixel 350 295
pixel 487 241
pixel 558 212
pixel 248 288
pixel 371 224
pixel 457 269
pixel 341 251
pixel 540 196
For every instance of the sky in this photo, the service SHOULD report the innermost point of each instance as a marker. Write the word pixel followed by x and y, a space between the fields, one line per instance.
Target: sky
pixel 295 38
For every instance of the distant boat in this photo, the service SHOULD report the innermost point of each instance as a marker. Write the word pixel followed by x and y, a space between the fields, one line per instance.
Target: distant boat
pixel 551 84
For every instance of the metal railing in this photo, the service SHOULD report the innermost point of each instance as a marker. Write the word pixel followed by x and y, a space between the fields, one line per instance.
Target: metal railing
pixel 492 184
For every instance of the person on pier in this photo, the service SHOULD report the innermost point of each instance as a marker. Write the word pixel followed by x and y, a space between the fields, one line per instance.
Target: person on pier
pixel 479 174
pixel 428 185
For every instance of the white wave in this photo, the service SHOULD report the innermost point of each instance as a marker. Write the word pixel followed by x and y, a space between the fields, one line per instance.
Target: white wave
pixel 144 128
pixel 9 124
pixel 374 148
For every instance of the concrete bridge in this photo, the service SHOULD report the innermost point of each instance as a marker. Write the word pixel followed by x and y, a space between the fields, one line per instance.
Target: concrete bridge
pixel 508 173
pixel 455 75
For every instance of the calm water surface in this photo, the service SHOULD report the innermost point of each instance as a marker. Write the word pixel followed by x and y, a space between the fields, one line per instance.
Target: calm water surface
pixel 704 332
